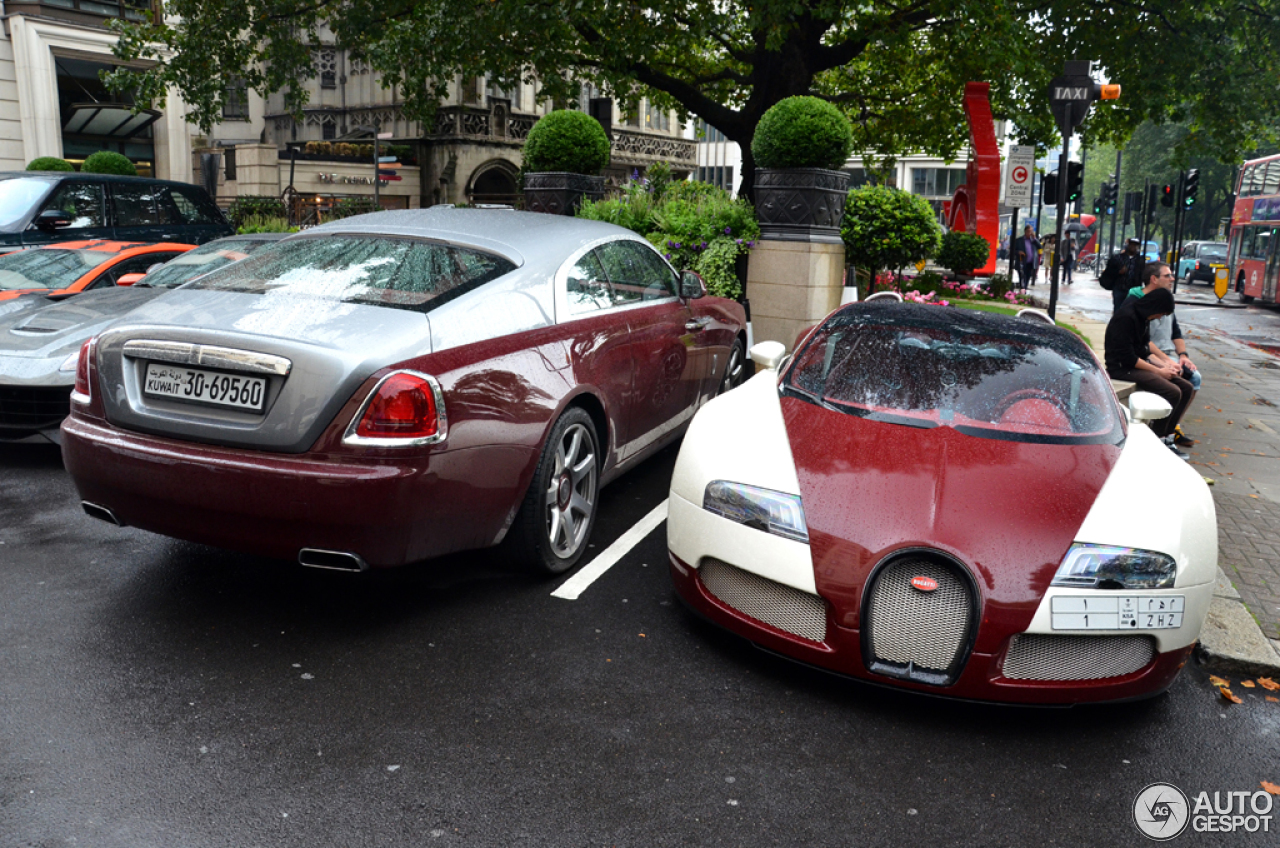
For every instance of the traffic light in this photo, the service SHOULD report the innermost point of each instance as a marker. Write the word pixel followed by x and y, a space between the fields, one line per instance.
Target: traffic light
pixel 1049 189
pixel 1112 193
pixel 1097 206
pixel 1075 181
pixel 1190 187
pixel 1166 195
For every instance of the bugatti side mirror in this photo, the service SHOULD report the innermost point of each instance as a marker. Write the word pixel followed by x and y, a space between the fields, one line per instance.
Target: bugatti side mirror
pixel 1145 406
pixel 768 354
pixel 691 285
pixel 129 279
pixel 53 219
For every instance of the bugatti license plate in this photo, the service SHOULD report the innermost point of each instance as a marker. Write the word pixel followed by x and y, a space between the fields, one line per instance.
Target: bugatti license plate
pixel 234 391
pixel 1121 612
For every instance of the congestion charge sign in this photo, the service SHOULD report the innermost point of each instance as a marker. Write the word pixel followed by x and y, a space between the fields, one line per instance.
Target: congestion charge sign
pixel 1162 811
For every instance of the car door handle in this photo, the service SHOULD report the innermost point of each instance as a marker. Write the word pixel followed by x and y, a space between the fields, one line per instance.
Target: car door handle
pixel 696 324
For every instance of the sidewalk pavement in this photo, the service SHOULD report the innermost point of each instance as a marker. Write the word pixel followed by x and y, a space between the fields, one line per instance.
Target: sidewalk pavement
pixel 1235 420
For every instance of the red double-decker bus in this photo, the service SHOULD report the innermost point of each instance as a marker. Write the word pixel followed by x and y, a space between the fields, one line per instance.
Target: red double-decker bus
pixel 1254 255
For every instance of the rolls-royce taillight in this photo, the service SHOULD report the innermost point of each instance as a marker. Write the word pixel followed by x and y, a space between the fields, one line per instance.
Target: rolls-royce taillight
pixel 82 371
pixel 405 407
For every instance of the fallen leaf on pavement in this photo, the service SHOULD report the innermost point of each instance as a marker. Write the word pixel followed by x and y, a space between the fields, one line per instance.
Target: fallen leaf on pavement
pixel 1216 680
pixel 1273 699
pixel 1268 684
pixel 1227 696
pixel 1271 787
pixel 1248 684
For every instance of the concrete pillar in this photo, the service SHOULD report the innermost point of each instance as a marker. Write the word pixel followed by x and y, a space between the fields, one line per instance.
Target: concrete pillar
pixel 792 285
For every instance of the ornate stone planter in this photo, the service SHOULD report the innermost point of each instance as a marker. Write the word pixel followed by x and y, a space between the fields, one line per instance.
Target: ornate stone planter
pixel 800 204
pixel 560 193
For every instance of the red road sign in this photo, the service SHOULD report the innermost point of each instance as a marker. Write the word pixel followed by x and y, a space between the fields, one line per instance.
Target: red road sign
pixel 1020 174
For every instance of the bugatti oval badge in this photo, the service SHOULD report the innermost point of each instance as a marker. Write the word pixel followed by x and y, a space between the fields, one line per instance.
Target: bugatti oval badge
pixel 924 584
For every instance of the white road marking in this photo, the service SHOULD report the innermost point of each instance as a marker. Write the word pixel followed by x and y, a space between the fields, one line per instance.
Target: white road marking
pixel 609 557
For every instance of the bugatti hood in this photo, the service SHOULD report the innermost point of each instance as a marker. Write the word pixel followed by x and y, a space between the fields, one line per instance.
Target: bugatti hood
pixel 1008 510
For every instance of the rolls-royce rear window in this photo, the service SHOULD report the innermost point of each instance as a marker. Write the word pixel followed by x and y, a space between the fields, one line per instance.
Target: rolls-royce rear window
pixel 383 271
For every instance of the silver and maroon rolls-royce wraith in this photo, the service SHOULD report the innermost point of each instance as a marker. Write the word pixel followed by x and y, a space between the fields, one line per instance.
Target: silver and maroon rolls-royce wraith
pixel 396 386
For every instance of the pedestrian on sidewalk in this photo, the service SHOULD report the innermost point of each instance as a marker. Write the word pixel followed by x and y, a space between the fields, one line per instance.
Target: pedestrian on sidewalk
pixel 1027 257
pixel 1167 344
pixel 1123 272
pixel 1068 256
pixel 1127 354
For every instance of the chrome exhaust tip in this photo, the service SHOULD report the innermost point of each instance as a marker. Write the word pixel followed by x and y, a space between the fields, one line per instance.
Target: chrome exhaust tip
pixel 331 560
pixel 101 513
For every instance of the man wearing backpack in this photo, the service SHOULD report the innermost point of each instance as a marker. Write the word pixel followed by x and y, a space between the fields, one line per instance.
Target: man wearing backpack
pixel 1123 272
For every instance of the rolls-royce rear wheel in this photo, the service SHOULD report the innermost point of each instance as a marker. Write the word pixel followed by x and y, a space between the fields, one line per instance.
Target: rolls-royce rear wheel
pixel 555 520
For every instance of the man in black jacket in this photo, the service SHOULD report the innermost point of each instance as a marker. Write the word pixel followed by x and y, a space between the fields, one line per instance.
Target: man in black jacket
pixel 1123 272
pixel 1127 347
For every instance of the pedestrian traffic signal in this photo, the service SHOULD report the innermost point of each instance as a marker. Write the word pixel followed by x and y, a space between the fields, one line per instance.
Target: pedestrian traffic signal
pixel 1049 188
pixel 1075 181
pixel 1190 187
pixel 1166 195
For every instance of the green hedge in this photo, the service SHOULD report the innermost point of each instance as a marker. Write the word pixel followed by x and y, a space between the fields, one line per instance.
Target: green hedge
pixel 109 162
pixel 695 225
pixel 49 163
pixel 566 140
pixel 802 132
pixel 962 252
pixel 255 206
pixel 348 206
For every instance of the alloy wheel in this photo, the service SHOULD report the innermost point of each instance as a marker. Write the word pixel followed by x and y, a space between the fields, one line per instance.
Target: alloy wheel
pixel 571 491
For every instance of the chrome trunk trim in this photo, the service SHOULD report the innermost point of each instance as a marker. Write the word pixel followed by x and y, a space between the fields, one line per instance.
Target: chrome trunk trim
pixel 208 356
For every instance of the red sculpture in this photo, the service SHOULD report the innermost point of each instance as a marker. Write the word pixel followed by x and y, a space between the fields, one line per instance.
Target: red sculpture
pixel 976 205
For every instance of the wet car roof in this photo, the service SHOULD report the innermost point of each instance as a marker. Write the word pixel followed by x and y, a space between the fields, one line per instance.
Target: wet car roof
pixel 517 236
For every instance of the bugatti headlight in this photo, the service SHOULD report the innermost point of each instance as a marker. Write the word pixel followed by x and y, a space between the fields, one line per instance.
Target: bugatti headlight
pixel 1103 567
pixel 764 509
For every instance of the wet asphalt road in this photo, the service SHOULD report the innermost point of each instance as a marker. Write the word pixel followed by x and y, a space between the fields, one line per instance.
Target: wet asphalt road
pixel 157 693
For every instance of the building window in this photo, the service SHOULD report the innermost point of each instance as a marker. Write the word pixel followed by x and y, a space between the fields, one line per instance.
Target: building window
pixel 936 182
pixel 706 132
pixel 328 131
pixel 327 66
pixel 720 176
pixel 235 101
pixel 512 93
pixel 859 177
pixel 656 119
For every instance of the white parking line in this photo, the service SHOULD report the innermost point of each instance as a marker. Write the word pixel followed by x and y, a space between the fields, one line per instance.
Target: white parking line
pixel 608 558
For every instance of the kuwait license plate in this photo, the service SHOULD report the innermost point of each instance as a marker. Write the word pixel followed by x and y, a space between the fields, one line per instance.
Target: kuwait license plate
pixel 1121 612
pixel 233 391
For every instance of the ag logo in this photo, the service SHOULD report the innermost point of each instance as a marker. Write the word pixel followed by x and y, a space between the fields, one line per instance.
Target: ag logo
pixel 1161 811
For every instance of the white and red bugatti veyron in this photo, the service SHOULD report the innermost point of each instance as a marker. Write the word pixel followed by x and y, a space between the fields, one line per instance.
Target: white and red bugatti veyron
pixel 948 501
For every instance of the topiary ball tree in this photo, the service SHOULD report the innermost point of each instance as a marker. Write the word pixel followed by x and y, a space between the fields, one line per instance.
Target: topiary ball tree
pixel 802 132
pixel 888 228
pixel 49 163
pixel 962 252
pixel 109 162
pixel 568 141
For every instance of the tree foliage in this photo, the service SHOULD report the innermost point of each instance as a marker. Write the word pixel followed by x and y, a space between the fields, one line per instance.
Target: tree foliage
pixel 888 228
pixel 898 68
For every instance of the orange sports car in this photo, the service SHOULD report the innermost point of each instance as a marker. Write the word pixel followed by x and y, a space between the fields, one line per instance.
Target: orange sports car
pixel 71 267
